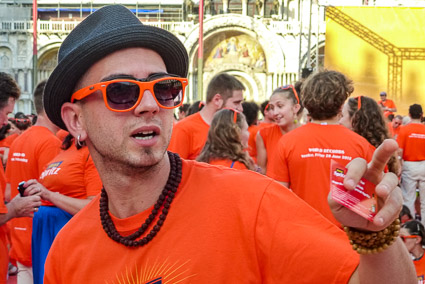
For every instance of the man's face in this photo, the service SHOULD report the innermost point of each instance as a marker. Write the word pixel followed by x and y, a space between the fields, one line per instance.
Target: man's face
pixel 132 139
pixel 4 112
pixel 383 98
pixel 235 101
pixel 396 122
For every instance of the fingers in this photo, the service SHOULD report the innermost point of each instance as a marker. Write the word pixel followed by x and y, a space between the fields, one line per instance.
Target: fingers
pixel 33 189
pixel 392 198
pixel 380 159
pixel 355 170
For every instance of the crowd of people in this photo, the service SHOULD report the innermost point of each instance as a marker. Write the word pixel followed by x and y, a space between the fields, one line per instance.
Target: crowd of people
pixel 167 191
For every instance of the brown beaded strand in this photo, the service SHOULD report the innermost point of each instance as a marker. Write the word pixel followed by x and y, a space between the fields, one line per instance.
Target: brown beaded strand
pixel 164 202
pixel 373 242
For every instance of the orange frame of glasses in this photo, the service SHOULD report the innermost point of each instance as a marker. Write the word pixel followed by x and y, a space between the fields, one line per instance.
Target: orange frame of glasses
pixel 86 91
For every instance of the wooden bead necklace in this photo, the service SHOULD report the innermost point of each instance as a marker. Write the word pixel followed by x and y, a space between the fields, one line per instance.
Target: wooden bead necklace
pixel 164 202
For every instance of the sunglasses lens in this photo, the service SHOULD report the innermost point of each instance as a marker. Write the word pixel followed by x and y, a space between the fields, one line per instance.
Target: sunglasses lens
pixel 169 92
pixel 122 95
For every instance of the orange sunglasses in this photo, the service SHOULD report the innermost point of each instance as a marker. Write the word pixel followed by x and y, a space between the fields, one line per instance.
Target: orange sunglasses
pixel 122 95
pixel 408 237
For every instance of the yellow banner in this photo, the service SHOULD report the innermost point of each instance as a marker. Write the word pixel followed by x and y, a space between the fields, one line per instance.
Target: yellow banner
pixel 380 49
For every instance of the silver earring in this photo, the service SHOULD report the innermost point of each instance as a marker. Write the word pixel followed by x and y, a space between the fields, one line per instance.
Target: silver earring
pixel 78 141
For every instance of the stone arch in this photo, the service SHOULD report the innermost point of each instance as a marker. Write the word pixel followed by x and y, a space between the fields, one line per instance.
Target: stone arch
pixel 226 26
pixel 254 88
pixel 242 25
pixel 47 60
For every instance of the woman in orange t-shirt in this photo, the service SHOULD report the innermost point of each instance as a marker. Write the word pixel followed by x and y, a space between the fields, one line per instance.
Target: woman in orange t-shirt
pixel 285 107
pixel 227 141
pixel 413 235
pixel 68 183
pixel 364 116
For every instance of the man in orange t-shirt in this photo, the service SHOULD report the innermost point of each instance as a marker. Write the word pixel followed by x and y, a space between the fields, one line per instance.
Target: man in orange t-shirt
pixel 388 106
pixel 395 125
pixel 303 156
pixel 411 140
pixel 190 134
pixel 28 155
pixel 19 206
pixel 160 218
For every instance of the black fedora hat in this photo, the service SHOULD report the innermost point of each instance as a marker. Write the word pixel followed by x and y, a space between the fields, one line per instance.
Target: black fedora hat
pixel 107 30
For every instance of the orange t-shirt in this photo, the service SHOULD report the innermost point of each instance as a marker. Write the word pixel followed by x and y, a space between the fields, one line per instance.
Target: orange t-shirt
pixel 420 269
pixel 303 158
pixel 6 142
pixel 223 226
pixel 252 142
pixel 270 136
pixel 411 139
pixel 388 104
pixel 28 155
pixel 229 163
pixel 72 173
pixel 61 134
pixel 4 250
pixel 189 136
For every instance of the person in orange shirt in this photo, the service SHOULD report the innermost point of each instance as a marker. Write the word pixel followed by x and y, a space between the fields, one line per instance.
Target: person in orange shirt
pixel 160 218
pixel 285 106
pixel 303 156
pixel 190 134
pixel 395 125
pixel 18 206
pixel 413 235
pixel 227 141
pixel 363 115
pixel 28 155
pixel 67 184
pixel 388 106
pixel 411 140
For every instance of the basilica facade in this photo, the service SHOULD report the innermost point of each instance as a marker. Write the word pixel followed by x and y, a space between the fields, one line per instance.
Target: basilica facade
pixel 264 43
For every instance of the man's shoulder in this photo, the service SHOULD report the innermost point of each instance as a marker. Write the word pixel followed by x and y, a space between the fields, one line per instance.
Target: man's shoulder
pixel 193 121
pixel 85 220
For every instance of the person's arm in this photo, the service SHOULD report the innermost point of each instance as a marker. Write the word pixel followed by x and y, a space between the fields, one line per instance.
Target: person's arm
pixel 8 193
pixel 69 204
pixel 20 207
pixel 394 264
pixel 261 153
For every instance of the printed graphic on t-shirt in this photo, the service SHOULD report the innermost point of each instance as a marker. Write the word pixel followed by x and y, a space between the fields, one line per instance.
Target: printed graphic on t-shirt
pixel 52 169
pixel 19 157
pixel 420 279
pixel 157 273
pixel 417 135
pixel 326 154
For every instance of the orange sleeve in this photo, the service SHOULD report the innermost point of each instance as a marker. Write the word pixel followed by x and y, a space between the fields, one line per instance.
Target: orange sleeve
pixel 180 142
pixel 47 152
pixel 3 208
pixel 92 178
pixel 401 138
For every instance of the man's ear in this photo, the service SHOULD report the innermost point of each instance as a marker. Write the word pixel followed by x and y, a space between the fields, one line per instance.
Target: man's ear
pixel 218 101
pixel 72 117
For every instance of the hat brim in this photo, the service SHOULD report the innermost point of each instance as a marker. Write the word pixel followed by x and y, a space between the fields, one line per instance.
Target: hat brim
pixel 61 83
